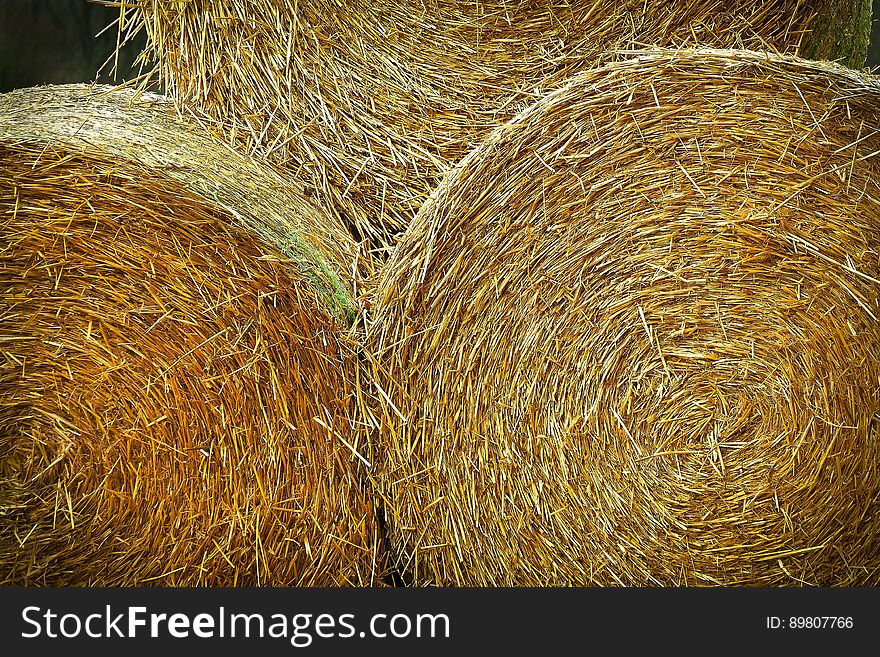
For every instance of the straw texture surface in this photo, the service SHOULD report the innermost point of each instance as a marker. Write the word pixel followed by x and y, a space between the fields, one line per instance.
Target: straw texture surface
pixel 174 398
pixel 373 101
pixel 633 338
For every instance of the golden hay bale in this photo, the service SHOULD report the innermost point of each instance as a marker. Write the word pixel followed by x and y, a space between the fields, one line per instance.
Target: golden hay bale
pixel 633 339
pixel 375 100
pixel 174 406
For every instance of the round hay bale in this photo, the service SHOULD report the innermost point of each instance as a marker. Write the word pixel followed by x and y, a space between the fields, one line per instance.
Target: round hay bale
pixel 633 338
pixel 375 100
pixel 174 389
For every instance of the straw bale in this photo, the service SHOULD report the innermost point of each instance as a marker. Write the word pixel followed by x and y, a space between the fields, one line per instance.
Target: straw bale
pixel 145 127
pixel 375 100
pixel 174 398
pixel 633 338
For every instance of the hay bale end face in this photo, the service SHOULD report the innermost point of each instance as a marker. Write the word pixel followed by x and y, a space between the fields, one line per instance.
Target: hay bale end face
pixel 174 397
pixel 633 338
pixel 374 101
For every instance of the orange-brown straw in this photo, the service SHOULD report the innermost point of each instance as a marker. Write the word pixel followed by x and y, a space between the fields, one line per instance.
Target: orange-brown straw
pixel 174 405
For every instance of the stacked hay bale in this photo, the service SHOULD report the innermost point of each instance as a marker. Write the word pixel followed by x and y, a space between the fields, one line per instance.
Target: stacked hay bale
pixel 174 406
pixel 373 101
pixel 633 338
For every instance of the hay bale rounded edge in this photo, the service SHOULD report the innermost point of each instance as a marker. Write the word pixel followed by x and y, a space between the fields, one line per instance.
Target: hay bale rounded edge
pixel 374 101
pixel 175 365
pixel 633 338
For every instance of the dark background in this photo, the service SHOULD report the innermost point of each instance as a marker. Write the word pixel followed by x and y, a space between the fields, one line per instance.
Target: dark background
pixel 54 41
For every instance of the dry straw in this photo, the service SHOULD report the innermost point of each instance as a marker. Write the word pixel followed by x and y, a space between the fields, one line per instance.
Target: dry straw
pixel 633 339
pixel 375 100
pixel 173 399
